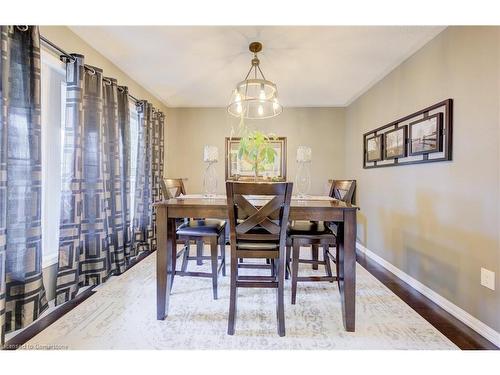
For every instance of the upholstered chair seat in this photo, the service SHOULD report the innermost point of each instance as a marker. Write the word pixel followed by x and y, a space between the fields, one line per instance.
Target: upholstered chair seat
pixel 205 227
pixel 309 229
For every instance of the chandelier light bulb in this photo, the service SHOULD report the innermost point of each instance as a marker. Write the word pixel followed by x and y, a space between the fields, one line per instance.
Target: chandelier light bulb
pixel 262 95
pixel 260 110
pixel 275 104
pixel 238 108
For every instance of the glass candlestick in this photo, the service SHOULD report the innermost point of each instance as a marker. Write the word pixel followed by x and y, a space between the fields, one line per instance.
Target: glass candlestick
pixel 303 176
pixel 303 179
pixel 210 157
pixel 210 180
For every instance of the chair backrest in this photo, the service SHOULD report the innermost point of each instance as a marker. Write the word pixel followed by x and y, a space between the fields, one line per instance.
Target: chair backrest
pixel 172 187
pixel 260 220
pixel 343 190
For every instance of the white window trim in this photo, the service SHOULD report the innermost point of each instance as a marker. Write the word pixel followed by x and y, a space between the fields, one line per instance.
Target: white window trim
pixel 53 61
pixel 50 260
pixel 50 59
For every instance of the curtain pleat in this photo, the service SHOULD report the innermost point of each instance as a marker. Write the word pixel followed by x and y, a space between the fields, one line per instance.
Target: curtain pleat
pixel 96 229
pixel 114 177
pixel 125 174
pixel 148 175
pixel 22 294
pixel 84 241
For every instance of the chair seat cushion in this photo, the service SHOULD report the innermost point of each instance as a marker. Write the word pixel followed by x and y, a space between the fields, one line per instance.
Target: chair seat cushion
pixel 254 245
pixel 309 229
pixel 206 227
pixel 179 222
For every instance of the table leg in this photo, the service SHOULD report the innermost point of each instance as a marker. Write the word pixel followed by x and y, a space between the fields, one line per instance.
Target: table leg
pixel 346 241
pixel 164 260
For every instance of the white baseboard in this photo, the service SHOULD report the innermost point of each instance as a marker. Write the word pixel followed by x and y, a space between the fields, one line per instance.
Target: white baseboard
pixel 462 315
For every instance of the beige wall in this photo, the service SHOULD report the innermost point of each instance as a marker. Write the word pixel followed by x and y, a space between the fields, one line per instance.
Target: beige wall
pixel 63 37
pixel 189 129
pixel 438 222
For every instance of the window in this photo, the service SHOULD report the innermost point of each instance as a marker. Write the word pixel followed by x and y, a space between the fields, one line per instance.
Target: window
pixel 53 102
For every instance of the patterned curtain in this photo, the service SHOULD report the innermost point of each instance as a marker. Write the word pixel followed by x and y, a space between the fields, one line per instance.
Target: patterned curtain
pixel 148 175
pixel 96 227
pixel 91 243
pixel 22 295
pixel 125 172
pixel 116 178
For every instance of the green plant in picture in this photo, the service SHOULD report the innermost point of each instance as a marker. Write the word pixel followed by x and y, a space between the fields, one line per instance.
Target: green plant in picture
pixel 256 149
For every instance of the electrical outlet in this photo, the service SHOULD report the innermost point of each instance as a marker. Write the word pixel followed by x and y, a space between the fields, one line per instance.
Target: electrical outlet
pixel 488 278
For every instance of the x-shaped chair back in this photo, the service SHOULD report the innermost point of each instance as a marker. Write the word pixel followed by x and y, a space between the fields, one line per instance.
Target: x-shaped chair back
pixel 267 219
pixel 172 187
pixel 343 190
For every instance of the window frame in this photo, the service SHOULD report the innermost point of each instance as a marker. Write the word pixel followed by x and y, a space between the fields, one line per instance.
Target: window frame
pixel 49 258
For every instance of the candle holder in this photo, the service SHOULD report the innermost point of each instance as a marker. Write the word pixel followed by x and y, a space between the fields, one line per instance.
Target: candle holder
pixel 303 176
pixel 210 157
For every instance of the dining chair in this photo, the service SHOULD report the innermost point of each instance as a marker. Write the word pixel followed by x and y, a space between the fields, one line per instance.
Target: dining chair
pixel 316 234
pixel 199 231
pixel 343 190
pixel 173 188
pixel 258 231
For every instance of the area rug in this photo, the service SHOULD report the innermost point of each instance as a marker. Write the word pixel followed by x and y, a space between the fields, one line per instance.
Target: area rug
pixel 122 315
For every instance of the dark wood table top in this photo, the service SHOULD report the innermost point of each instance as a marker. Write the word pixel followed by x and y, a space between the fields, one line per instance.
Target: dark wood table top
pixel 221 202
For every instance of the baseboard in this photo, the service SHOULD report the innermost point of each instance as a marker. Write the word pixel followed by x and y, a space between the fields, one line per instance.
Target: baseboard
pixel 462 315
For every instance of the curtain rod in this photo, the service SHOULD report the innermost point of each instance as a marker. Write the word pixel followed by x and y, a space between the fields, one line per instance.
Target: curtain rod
pixel 63 52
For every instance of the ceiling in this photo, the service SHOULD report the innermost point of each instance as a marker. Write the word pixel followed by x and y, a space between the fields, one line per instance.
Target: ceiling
pixel 198 66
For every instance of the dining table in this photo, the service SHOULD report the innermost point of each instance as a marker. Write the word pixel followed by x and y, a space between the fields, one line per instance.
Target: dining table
pixel 341 213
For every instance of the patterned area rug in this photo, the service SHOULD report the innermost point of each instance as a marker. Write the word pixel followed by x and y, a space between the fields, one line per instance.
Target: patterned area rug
pixel 122 315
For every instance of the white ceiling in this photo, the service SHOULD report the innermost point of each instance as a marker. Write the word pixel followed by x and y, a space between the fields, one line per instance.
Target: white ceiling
pixel 198 66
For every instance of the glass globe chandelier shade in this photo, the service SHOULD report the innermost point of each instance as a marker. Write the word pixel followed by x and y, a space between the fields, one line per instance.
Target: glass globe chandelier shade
pixel 256 97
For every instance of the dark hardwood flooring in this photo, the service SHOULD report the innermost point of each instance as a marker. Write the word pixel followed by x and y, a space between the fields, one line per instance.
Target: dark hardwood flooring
pixel 456 331
pixel 34 329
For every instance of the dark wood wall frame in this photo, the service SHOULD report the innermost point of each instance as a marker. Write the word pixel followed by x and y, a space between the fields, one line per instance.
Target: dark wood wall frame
pixel 381 142
pixel 446 135
pixel 439 140
pixel 405 146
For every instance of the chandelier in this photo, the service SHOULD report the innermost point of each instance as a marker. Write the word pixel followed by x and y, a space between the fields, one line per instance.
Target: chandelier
pixel 255 97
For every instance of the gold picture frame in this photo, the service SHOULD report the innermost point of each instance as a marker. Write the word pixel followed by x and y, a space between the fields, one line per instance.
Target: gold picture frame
pixel 239 170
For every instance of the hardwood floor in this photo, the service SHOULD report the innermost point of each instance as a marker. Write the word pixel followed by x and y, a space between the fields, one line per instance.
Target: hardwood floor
pixel 35 328
pixel 456 331
pixel 42 323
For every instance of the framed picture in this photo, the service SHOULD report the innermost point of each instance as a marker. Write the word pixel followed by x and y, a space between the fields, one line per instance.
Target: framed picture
pixel 428 135
pixel 425 135
pixel 395 143
pixel 238 169
pixel 373 148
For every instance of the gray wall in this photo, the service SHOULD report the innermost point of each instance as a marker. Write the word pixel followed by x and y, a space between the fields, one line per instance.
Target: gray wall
pixel 189 129
pixel 438 222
